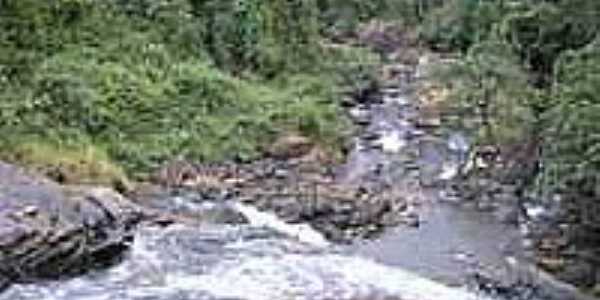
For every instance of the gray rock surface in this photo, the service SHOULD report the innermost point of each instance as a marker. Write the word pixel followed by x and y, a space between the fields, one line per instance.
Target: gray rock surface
pixel 50 231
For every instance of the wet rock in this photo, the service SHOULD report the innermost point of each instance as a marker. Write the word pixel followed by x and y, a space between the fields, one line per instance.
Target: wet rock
pixel 340 212
pixel 411 220
pixel 508 215
pixel 191 207
pixel 281 173
pixel 431 122
pixel 415 133
pixel 389 220
pixel 412 165
pixel 371 136
pixel 348 102
pixel 486 203
pixel 362 120
pixel 50 231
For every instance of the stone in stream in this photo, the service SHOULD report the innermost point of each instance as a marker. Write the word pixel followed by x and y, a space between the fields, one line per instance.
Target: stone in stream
pixel 508 214
pixel 415 133
pixel 341 213
pixel 430 122
pixel 370 136
pixel 49 231
pixel 192 207
pixel 362 120
pixel 348 102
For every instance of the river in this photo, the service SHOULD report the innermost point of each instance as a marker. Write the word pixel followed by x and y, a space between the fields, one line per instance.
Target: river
pixel 270 259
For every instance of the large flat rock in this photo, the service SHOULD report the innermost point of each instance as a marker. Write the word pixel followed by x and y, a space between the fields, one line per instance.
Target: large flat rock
pixel 50 231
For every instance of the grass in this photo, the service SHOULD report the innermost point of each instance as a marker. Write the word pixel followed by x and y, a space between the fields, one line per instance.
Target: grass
pixel 80 164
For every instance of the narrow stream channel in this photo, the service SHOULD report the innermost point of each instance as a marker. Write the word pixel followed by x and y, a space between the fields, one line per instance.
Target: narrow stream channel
pixel 450 242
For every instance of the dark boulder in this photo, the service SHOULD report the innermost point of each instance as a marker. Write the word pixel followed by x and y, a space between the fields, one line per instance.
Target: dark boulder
pixel 341 213
pixel 48 231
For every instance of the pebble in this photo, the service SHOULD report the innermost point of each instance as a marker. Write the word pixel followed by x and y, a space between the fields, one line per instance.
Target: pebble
pixel 371 136
pixel 429 123
pixel 463 257
pixel 411 165
pixel 280 174
pixel 412 221
pixel 30 210
pixel 416 133
pixel 363 121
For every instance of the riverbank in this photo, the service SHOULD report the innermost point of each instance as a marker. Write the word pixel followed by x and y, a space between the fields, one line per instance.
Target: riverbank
pixel 400 163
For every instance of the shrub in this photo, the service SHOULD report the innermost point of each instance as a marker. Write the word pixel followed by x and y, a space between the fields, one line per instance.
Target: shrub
pixel 488 84
pixel 459 24
pixel 572 157
pixel 149 80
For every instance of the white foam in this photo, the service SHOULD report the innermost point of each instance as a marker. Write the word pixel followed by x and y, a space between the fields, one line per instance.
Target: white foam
pixel 458 143
pixel 301 232
pixel 358 112
pixel 391 141
pixel 448 172
pixel 263 275
pixel 396 99
pixel 315 277
pixel 535 211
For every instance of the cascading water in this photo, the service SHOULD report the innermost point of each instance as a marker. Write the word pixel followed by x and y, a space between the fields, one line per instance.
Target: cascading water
pixel 301 232
pixel 265 259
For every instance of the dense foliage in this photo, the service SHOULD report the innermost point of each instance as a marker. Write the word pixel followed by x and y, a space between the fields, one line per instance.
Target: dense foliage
pixel 529 72
pixel 143 81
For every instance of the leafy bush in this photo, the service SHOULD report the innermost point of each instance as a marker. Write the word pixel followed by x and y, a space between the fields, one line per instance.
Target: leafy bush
pixel 489 84
pixel 572 153
pixel 459 24
pixel 149 112
pixel 542 32
pixel 149 80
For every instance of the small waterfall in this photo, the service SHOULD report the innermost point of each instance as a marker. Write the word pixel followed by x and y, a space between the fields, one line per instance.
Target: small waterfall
pixel 449 171
pixel 317 277
pixel 391 141
pixel 301 232
pixel 220 261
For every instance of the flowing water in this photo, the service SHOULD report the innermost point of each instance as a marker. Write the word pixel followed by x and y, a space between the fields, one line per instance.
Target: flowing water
pixel 269 259
pixel 451 242
pixel 239 262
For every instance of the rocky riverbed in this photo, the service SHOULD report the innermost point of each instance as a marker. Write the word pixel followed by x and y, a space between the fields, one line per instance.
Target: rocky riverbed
pixel 274 228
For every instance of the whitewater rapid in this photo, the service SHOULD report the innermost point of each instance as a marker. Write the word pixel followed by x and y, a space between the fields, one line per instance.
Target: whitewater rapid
pixel 263 260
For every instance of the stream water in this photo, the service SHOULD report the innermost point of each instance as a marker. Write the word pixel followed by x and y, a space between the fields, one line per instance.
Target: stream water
pixel 451 242
pixel 269 259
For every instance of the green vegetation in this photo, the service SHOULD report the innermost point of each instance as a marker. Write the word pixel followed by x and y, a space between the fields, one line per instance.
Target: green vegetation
pixel 69 163
pixel 529 72
pixel 572 156
pixel 149 80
